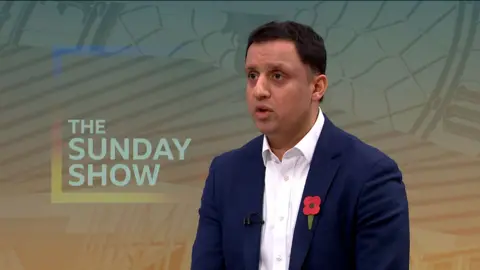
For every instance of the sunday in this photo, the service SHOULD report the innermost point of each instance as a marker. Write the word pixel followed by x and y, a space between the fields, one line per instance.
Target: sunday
pixel 128 149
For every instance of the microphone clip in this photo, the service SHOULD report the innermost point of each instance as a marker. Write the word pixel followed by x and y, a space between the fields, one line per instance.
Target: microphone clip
pixel 253 218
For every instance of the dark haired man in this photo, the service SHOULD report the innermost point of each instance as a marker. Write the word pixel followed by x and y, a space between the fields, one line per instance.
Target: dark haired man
pixel 305 195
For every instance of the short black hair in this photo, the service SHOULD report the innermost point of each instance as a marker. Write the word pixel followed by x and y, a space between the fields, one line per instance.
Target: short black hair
pixel 310 45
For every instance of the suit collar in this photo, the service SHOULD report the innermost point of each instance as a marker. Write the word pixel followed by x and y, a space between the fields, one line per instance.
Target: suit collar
pixel 253 175
pixel 323 168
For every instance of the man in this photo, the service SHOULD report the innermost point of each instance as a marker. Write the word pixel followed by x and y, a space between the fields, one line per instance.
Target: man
pixel 305 195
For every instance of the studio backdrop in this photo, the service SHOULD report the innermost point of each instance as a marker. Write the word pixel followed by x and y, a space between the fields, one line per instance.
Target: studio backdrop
pixel 111 111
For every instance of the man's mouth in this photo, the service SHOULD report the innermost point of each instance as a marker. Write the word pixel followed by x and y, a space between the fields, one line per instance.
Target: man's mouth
pixel 262 109
pixel 262 112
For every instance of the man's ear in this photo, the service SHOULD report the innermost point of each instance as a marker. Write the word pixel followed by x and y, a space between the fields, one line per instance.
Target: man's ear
pixel 320 84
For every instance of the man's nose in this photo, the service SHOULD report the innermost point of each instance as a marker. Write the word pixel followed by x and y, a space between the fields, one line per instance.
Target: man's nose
pixel 261 89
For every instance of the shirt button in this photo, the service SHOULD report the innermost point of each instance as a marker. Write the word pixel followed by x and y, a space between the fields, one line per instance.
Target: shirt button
pixel 279 258
pixel 286 178
pixel 281 218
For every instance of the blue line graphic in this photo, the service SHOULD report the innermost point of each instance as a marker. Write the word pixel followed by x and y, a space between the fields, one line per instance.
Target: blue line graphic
pixel 59 52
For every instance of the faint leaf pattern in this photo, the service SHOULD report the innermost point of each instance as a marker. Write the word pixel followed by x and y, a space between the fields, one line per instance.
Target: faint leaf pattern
pixel 415 61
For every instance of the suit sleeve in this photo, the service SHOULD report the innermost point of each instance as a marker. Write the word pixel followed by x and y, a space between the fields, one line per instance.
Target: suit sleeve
pixel 383 230
pixel 207 248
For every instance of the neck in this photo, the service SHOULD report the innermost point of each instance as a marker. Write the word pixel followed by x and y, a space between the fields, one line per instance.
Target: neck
pixel 281 143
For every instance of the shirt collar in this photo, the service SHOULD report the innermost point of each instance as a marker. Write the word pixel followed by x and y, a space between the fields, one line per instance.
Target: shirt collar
pixel 306 145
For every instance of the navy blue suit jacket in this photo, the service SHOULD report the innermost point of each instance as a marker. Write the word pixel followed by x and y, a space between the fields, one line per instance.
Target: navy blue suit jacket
pixel 363 223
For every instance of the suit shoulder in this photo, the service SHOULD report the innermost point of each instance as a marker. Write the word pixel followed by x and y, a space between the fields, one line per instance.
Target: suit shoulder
pixel 365 154
pixel 237 155
pixel 363 163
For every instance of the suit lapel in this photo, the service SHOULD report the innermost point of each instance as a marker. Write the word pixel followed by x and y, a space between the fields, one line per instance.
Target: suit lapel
pixel 252 176
pixel 322 171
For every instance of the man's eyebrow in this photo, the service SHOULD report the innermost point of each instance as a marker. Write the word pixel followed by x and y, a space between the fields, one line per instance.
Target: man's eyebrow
pixel 269 66
pixel 277 66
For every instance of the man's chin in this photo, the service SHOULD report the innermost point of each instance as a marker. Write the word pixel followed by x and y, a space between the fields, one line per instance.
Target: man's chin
pixel 265 127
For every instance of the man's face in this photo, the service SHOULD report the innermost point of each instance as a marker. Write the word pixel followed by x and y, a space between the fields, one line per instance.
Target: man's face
pixel 281 90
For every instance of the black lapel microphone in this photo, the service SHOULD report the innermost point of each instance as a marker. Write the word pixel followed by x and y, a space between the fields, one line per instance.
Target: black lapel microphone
pixel 252 219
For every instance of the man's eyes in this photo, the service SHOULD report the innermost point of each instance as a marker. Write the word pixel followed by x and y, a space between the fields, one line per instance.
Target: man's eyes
pixel 252 76
pixel 274 75
pixel 277 76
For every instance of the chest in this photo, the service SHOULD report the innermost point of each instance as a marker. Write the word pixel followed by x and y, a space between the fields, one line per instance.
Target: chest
pixel 276 194
pixel 284 186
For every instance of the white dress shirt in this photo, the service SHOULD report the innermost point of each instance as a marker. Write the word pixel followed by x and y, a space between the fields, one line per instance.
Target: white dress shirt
pixel 284 183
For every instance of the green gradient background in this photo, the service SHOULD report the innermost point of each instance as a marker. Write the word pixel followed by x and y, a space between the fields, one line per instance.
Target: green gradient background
pixel 404 76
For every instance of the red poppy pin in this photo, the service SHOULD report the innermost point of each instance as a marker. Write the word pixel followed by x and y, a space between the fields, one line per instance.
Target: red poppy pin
pixel 311 207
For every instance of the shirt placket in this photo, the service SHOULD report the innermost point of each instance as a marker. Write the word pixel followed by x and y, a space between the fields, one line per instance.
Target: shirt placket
pixel 282 216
